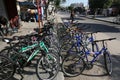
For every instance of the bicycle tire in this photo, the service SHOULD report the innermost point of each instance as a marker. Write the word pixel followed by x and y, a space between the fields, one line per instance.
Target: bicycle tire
pixel 47 70
pixel 61 32
pixel 60 25
pixel 8 51
pixel 73 69
pixel 65 39
pixel 7 68
pixel 108 62
pixel 64 48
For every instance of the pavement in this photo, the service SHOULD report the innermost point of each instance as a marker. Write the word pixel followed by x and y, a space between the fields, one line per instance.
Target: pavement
pixel 101 18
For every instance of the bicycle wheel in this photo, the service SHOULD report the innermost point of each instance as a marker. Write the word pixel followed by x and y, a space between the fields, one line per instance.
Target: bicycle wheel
pixel 65 39
pixel 61 33
pixel 47 67
pixel 7 52
pixel 60 25
pixel 108 62
pixel 64 48
pixel 7 68
pixel 73 65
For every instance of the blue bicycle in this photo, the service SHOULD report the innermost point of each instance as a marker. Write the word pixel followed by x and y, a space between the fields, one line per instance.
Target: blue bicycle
pixel 74 64
pixel 73 46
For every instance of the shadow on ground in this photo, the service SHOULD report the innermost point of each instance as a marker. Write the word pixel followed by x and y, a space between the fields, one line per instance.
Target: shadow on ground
pixel 100 71
pixel 92 27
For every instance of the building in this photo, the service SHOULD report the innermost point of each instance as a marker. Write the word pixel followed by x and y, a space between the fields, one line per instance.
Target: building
pixel 8 9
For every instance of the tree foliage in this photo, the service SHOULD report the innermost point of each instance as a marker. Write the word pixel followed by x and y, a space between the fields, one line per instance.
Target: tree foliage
pixel 94 4
pixel 116 3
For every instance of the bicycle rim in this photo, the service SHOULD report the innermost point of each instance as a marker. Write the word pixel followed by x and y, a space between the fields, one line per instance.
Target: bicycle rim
pixel 73 65
pixel 47 69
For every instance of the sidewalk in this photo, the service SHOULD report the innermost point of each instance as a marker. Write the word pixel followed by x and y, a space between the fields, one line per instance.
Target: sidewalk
pixel 101 18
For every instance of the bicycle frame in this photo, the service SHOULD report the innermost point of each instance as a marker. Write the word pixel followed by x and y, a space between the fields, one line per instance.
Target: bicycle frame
pixel 96 54
pixel 79 42
pixel 34 53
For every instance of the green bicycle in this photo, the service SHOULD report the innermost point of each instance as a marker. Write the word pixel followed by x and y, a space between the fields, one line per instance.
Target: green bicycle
pixel 22 54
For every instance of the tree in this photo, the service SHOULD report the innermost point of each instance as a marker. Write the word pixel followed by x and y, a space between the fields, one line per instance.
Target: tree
pixel 107 3
pixel 56 3
pixel 99 4
pixel 116 3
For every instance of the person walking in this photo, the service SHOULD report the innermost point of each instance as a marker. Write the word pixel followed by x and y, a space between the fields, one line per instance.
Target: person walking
pixel 3 25
pixel 72 15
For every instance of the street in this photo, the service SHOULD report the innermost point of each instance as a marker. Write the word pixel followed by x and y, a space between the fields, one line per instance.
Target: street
pixel 106 30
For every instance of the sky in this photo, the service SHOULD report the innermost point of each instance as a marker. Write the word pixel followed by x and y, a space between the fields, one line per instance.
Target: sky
pixel 68 2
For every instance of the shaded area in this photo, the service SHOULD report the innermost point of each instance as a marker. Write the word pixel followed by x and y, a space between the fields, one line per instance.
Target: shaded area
pixel 93 27
pixel 100 72
pixel 116 67
pixel 29 70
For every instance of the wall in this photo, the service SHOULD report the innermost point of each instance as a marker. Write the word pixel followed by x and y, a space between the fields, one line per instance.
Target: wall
pixel 2 9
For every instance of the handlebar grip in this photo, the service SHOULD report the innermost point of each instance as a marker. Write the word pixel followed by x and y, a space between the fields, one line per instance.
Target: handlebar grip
pixel 112 39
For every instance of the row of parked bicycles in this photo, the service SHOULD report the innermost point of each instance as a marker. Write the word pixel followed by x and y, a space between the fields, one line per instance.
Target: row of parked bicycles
pixel 57 47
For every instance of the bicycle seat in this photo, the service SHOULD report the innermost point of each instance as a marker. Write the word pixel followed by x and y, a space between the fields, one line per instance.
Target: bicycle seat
pixel 18 37
pixel 7 40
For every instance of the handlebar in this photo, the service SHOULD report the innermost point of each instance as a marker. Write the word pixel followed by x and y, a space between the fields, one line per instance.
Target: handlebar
pixel 105 40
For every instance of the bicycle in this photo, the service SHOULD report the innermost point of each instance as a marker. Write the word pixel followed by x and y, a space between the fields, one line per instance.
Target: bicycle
pixel 73 46
pixel 78 63
pixel 22 59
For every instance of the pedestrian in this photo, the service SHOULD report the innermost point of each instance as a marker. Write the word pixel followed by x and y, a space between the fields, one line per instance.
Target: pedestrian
pixel 72 16
pixel 3 25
